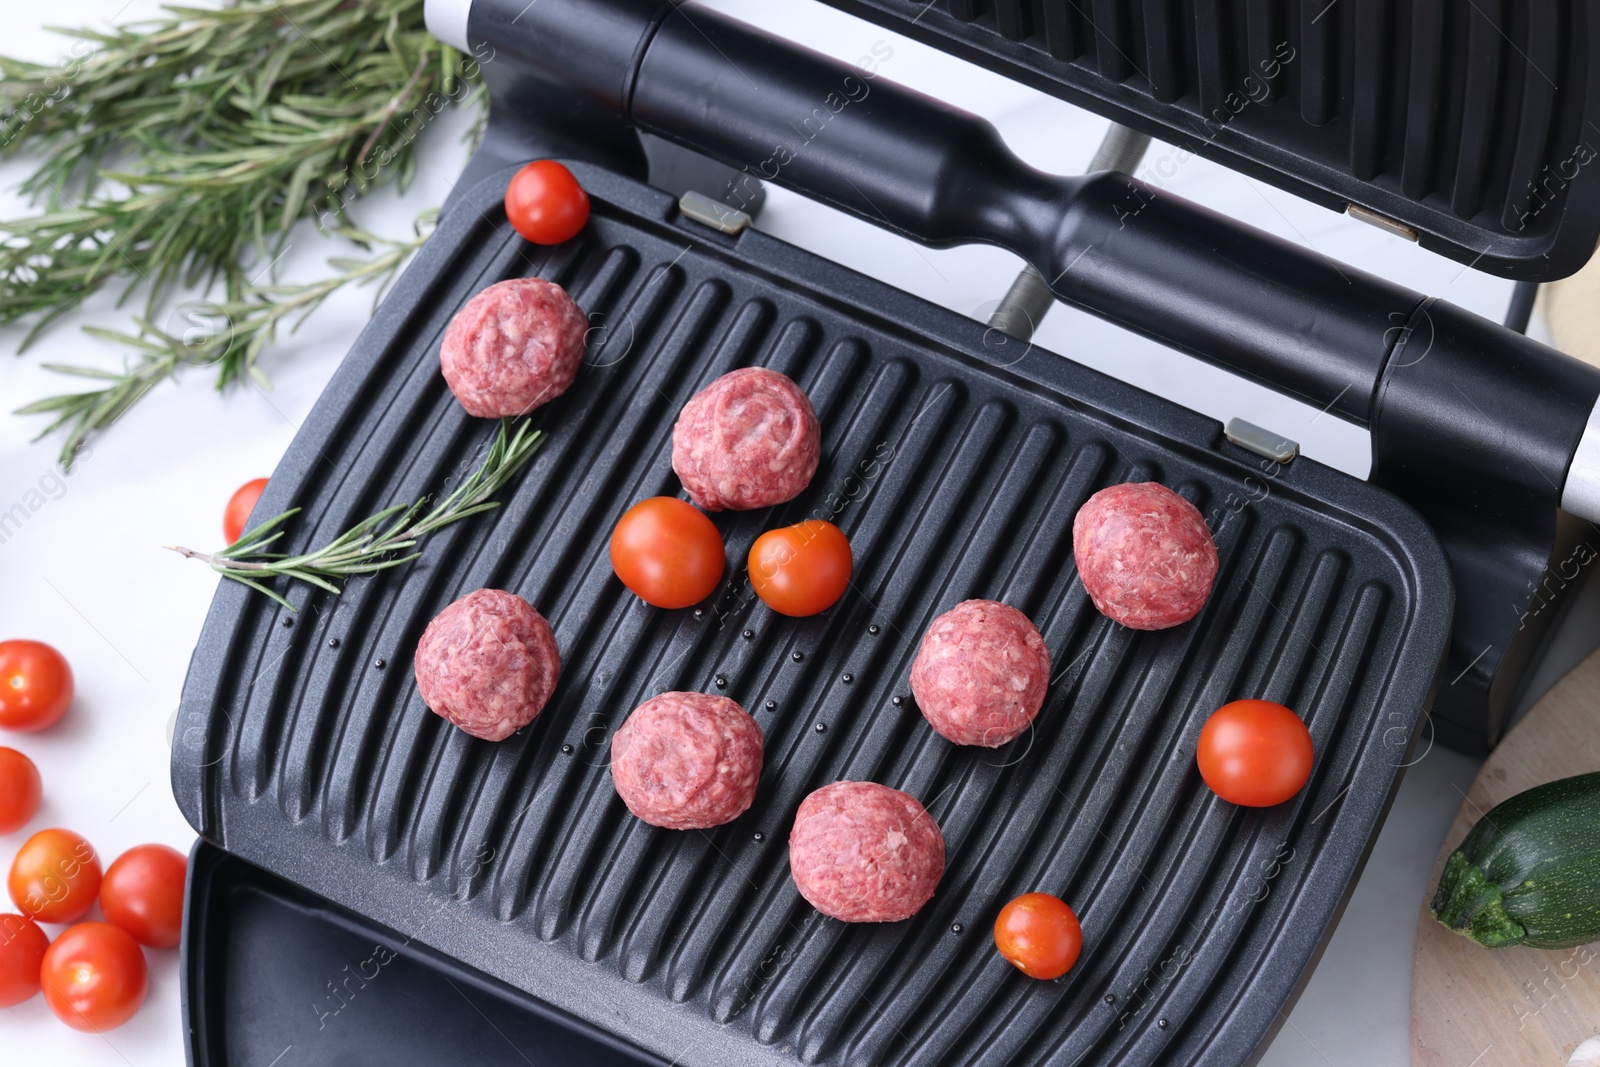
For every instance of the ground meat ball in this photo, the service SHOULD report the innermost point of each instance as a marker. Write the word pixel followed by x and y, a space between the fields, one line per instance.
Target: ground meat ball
pixel 488 663
pixel 1144 555
pixel 750 439
pixel 514 346
pixel 865 853
pixel 980 675
pixel 687 761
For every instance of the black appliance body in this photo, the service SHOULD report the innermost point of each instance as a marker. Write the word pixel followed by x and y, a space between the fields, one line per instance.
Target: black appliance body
pixel 308 764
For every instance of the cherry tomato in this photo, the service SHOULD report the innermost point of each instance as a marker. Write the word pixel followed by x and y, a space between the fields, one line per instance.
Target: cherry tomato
pixel 667 552
pixel 240 504
pixel 1254 753
pixel 1039 934
pixel 94 976
pixel 55 877
pixel 35 685
pixel 22 946
pixel 801 569
pixel 143 893
pixel 19 790
pixel 545 203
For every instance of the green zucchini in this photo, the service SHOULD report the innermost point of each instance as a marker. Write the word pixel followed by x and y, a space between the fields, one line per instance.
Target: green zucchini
pixel 1529 872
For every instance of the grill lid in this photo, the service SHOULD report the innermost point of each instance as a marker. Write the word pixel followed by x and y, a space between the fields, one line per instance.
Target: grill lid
pixel 1473 125
pixel 955 469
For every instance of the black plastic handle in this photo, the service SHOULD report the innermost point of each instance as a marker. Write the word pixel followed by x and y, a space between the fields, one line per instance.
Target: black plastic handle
pixel 1155 264
pixel 1198 281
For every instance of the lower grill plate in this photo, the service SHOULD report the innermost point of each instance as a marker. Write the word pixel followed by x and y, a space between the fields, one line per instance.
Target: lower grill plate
pixel 954 459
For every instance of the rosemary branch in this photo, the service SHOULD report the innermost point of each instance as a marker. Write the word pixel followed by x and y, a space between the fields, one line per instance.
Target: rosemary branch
pixel 242 329
pixel 182 151
pixel 370 546
pixel 223 128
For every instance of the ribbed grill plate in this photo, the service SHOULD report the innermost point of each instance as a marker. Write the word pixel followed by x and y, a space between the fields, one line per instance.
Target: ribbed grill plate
pixel 955 464
pixel 1474 123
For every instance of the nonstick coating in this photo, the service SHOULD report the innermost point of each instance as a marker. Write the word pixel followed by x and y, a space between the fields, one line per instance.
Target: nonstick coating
pixel 1446 119
pixel 954 459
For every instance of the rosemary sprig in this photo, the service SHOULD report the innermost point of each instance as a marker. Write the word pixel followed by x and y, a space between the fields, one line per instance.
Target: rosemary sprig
pixel 248 325
pixel 183 151
pixel 370 546
pixel 223 127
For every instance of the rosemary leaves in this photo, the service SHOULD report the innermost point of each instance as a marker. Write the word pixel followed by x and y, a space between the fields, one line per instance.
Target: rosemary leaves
pixel 182 151
pixel 379 541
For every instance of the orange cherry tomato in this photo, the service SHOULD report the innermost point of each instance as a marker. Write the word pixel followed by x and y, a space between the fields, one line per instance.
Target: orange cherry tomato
pixel 1254 753
pixel 22 946
pixel 55 877
pixel 801 569
pixel 143 893
pixel 667 552
pixel 19 790
pixel 94 976
pixel 240 504
pixel 545 203
pixel 1039 934
pixel 35 685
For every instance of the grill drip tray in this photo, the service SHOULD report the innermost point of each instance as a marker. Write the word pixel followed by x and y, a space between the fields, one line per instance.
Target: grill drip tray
pixel 276 975
pixel 955 468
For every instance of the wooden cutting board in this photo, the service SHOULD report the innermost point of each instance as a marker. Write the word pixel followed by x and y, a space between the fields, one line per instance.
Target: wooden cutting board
pixel 1571 308
pixel 1511 1007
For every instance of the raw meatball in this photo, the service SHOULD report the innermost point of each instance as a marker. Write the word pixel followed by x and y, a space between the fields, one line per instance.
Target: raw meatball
pixel 1144 555
pixel 980 675
pixel 514 346
pixel 865 853
pixel 488 663
pixel 748 440
pixel 687 761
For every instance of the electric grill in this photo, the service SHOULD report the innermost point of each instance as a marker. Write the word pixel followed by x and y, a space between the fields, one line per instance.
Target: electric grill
pixel 339 817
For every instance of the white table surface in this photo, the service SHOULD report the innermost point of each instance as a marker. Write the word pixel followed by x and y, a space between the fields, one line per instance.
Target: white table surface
pixel 87 574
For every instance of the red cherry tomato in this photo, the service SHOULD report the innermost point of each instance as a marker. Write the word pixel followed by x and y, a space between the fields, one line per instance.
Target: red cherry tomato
pixel 55 877
pixel 143 893
pixel 801 569
pixel 240 504
pixel 19 790
pixel 545 203
pixel 94 977
pixel 22 946
pixel 35 685
pixel 1039 934
pixel 1254 753
pixel 667 552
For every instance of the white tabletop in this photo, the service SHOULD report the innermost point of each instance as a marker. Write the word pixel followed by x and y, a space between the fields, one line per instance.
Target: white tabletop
pixel 86 573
